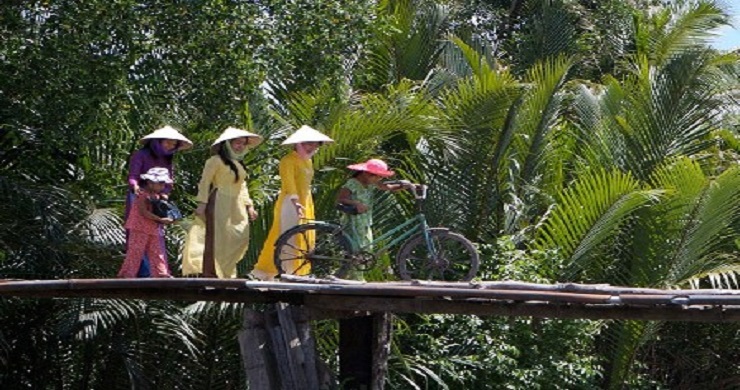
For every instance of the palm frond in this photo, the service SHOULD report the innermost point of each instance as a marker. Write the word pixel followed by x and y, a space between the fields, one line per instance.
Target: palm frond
pixel 625 339
pixel 549 33
pixel 708 230
pixel 686 25
pixel 477 109
pixel 589 213
pixel 721 271
pixel 597 111
pixel 538 115
pixel 657 114
pixel 411 46
pixel 103 226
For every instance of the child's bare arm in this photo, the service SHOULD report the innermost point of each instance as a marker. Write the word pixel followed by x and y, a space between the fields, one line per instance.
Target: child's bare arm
pixel 345 197
pixel 395 185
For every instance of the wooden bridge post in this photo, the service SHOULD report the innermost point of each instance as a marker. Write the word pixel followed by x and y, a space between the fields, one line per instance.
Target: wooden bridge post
pixel 364 345
pixel 278 350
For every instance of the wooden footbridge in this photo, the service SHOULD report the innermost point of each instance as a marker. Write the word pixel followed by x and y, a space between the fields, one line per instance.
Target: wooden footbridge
pixel 504 298
pixel 364 311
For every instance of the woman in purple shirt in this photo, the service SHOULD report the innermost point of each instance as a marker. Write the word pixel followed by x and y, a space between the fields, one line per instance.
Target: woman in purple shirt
pixel 157 150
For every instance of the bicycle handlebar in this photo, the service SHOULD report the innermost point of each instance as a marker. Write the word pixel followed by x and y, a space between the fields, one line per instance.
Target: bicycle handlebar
pixel 419 190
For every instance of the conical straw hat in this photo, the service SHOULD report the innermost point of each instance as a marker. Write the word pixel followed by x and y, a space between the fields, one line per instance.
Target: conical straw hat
pixel 306 134
pixel 232 133
pixel 168 132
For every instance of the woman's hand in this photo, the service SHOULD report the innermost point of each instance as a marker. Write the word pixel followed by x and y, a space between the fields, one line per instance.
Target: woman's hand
pixel 200 211
pixel 166 221
pixel 299 209
pixel 137 190
pixel 252 213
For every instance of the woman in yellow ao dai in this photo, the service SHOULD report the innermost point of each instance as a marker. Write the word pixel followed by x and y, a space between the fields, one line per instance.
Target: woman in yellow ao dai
pixel 219 238
pixel 294 203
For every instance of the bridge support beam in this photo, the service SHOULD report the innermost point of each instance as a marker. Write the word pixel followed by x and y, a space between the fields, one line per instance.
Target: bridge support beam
pixel 279 352
pixel 364 345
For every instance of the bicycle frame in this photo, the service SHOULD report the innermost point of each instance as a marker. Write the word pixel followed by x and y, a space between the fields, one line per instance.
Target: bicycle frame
pixel 335 252
pixel 408 228
pixel 413 225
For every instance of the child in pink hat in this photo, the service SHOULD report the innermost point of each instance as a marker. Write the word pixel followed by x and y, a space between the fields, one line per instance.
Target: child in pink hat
pixel 144 227
pixel 357 193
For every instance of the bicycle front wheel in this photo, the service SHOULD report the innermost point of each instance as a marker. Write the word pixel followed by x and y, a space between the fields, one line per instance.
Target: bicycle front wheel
pixel 316 249
pixel 455 257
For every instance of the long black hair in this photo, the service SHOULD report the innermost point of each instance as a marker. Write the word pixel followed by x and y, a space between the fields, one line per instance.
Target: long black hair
pixel 224 154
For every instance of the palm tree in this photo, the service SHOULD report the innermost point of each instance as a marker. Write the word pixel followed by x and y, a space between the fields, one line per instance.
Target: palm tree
pixel 617 181
pixel 672 225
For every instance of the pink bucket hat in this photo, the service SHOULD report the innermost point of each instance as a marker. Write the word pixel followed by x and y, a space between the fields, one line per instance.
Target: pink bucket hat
pixel 157 175
pixel 374 166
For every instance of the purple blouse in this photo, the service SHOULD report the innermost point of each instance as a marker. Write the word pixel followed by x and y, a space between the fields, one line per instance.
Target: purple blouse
pixel 140 163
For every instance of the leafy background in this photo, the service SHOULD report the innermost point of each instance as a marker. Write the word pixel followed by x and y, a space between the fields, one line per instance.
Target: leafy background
pixel 572 140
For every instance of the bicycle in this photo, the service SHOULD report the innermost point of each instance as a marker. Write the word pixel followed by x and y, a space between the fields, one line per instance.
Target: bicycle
pixel 323 248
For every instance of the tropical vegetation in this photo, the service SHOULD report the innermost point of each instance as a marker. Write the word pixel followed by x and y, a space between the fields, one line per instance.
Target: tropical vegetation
pixel 571 140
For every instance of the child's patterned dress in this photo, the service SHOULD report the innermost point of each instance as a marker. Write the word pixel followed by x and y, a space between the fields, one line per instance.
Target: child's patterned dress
pixel 359 226
pixel 143 238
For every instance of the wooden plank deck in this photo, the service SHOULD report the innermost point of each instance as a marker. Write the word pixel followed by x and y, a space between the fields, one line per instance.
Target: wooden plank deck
pixel 505 298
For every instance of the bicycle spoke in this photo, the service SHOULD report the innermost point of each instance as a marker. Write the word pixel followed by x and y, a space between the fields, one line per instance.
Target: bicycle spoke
pixel 293 249
pixel 450 267
pixel 319 250
pixel 302 267
pixel 454 258
pixel 417 266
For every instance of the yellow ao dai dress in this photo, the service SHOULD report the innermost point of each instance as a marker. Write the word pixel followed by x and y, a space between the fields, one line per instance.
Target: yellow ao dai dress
pixel 296 174
pixel 227 213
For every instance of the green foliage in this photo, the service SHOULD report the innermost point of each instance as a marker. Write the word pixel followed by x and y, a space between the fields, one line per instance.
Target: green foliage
pixel 627 178
pixel 69 343
pixel 406 43
pixel 551 31
pixel 668 357
pixel 471 352
pixel 588 214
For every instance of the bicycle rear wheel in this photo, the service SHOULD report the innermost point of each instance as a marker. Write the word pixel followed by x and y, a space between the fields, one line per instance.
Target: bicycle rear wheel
pixel 455 260
pixel 316 249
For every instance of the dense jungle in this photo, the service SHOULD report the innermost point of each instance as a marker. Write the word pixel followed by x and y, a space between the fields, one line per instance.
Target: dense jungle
pixel 588 141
